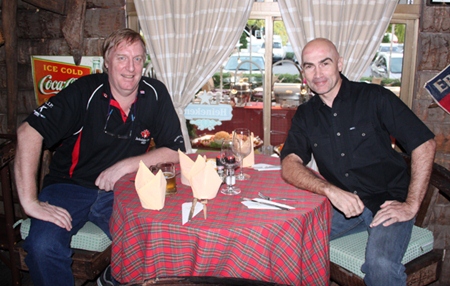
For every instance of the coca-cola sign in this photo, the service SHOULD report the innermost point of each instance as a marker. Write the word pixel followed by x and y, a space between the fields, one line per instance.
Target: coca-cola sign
pixel 52 74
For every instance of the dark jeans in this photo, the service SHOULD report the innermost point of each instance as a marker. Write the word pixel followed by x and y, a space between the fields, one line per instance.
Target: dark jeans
pixel 385 249
pixel 48 245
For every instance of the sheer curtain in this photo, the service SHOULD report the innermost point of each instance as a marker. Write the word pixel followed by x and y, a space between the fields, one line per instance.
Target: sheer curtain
pixel 355 27
pixel 188 41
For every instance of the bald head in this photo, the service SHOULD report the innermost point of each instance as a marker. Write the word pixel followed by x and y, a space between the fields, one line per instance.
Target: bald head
pixel 322 65
pixel 320 44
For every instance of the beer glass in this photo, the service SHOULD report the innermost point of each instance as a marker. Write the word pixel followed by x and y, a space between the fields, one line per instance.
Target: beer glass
pixel 168 169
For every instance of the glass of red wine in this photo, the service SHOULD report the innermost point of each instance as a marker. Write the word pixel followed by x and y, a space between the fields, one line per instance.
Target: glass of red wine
pixel 228 158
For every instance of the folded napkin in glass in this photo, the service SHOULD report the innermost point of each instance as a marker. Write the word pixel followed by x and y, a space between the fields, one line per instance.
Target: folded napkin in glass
pixel 266 167
pixel 258 203
pixel 151 188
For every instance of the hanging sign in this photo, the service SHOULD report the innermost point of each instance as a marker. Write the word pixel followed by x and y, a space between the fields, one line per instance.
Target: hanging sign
pixel 206 112
pixel 439 88
pixel 53 73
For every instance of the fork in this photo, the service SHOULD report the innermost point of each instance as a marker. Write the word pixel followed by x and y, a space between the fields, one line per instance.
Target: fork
pixel 262 196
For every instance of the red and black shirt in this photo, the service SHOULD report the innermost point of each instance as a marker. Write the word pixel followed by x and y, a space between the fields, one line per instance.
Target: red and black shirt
pixel 89 132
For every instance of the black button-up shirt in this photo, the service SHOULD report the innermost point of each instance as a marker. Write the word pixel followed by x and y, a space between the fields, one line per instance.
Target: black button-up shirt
pixel 351 141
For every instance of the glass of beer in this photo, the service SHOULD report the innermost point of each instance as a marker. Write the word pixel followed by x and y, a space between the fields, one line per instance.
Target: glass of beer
pixel 168 169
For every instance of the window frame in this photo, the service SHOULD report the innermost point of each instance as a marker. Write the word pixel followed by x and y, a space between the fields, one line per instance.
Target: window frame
pixel 269 11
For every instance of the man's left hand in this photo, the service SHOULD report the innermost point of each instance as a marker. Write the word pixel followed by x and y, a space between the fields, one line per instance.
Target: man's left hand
pixel 108 178
pixel 392 212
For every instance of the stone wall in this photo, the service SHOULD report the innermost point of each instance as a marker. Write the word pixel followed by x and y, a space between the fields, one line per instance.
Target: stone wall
pixel 39 33
pixel 433 56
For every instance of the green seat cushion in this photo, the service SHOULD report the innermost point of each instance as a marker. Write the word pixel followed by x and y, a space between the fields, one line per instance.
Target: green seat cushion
pixel 89 237
pixel 349 251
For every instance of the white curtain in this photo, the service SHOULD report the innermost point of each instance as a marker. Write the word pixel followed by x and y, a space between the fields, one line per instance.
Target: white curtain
pixel 188 40
pixel 355 27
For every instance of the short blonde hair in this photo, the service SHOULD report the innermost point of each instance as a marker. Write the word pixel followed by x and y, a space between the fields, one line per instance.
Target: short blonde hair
pixel 116 38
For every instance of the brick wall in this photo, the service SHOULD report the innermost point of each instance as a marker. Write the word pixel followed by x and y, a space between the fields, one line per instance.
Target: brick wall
pixel 433 56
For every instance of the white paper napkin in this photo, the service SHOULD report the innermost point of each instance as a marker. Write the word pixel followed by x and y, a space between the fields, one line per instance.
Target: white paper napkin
pixel 266 167
pixel 186 209
pixel 255 205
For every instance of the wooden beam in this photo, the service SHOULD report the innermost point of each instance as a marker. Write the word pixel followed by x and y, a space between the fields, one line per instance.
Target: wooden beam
pixel 2 39
pixel 73 28
pixel 9 15
pixel 57 6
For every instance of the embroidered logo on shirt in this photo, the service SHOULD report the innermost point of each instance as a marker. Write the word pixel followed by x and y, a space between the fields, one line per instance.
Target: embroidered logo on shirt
pixel 38 111
pixel 145 133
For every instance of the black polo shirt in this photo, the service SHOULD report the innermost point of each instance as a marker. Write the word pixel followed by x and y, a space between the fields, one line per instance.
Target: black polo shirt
pixel 351 141
pixel 89 133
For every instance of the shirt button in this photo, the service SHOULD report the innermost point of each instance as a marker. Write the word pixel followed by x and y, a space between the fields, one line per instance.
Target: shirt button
pixel 338 134
pixel 342 154
pixel 335 114
pixel 346 174
pixel 355 192
pixel 315 144
pixel 363 134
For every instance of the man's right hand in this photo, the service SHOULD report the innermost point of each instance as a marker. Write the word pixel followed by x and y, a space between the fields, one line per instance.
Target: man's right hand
pixel 348 203
pixel 47 212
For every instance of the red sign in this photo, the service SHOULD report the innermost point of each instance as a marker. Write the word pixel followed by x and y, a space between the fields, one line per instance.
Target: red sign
pixel 50 77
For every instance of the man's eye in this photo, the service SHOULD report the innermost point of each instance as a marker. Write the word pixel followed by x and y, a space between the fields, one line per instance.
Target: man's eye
pixel 120 58
pixel 139 59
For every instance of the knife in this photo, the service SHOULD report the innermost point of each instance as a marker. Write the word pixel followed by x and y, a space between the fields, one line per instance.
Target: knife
pixel 267 204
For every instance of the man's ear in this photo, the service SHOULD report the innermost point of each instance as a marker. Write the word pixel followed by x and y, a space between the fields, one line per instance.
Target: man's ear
pixel 340 63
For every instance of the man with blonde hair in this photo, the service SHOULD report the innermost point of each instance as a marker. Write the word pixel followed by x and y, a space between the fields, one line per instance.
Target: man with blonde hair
pixel 99 128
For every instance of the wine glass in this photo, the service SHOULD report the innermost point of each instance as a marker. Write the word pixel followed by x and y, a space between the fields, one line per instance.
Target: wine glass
pixel 242 142
pixel 228 159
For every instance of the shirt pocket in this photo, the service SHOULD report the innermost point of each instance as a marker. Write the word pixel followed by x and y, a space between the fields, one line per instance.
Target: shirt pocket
pixel 364 143
pixel 321 147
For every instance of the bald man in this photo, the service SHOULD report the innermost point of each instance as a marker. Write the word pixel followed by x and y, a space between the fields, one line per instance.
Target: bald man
pixel 347 126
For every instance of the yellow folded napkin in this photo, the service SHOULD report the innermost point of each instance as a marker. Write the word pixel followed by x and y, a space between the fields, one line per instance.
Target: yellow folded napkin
pixel 201 176
pixel 185 165
pixel 151 188
pixel 250 159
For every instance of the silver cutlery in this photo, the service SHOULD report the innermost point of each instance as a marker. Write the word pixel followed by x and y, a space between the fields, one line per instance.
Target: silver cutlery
pixel 262 196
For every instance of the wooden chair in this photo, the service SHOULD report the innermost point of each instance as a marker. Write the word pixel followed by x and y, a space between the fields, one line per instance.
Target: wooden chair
pixel 426 268
pixel 87 264
pixel 9 236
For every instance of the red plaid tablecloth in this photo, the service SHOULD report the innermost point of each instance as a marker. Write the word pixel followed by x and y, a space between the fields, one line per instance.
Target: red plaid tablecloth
pixel 285 247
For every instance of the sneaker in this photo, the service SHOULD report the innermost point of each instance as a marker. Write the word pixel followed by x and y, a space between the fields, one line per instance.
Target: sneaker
pixel 106 278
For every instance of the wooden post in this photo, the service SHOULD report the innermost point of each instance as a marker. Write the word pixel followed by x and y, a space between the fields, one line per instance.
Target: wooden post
pixel 9 18
pixel 73 28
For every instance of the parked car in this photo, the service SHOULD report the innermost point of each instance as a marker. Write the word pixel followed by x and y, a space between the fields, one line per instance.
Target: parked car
pixel 387 65
pixel 387 48
pixel 235 59
pixel 278 52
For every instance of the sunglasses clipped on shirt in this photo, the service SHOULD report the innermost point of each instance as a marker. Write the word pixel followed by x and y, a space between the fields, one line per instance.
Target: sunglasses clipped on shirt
pixel 124 131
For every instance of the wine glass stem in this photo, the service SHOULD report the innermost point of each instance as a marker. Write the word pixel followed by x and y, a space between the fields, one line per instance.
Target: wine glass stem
pixel 241 172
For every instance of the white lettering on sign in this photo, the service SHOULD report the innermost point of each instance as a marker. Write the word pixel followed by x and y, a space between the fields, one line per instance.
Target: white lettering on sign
pixel 204 111
pixel 442 84
pixel 207 116
pixel 47 86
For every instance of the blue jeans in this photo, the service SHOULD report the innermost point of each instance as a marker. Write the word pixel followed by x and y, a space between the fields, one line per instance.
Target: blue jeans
pixel 385 249
pixel 48 245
